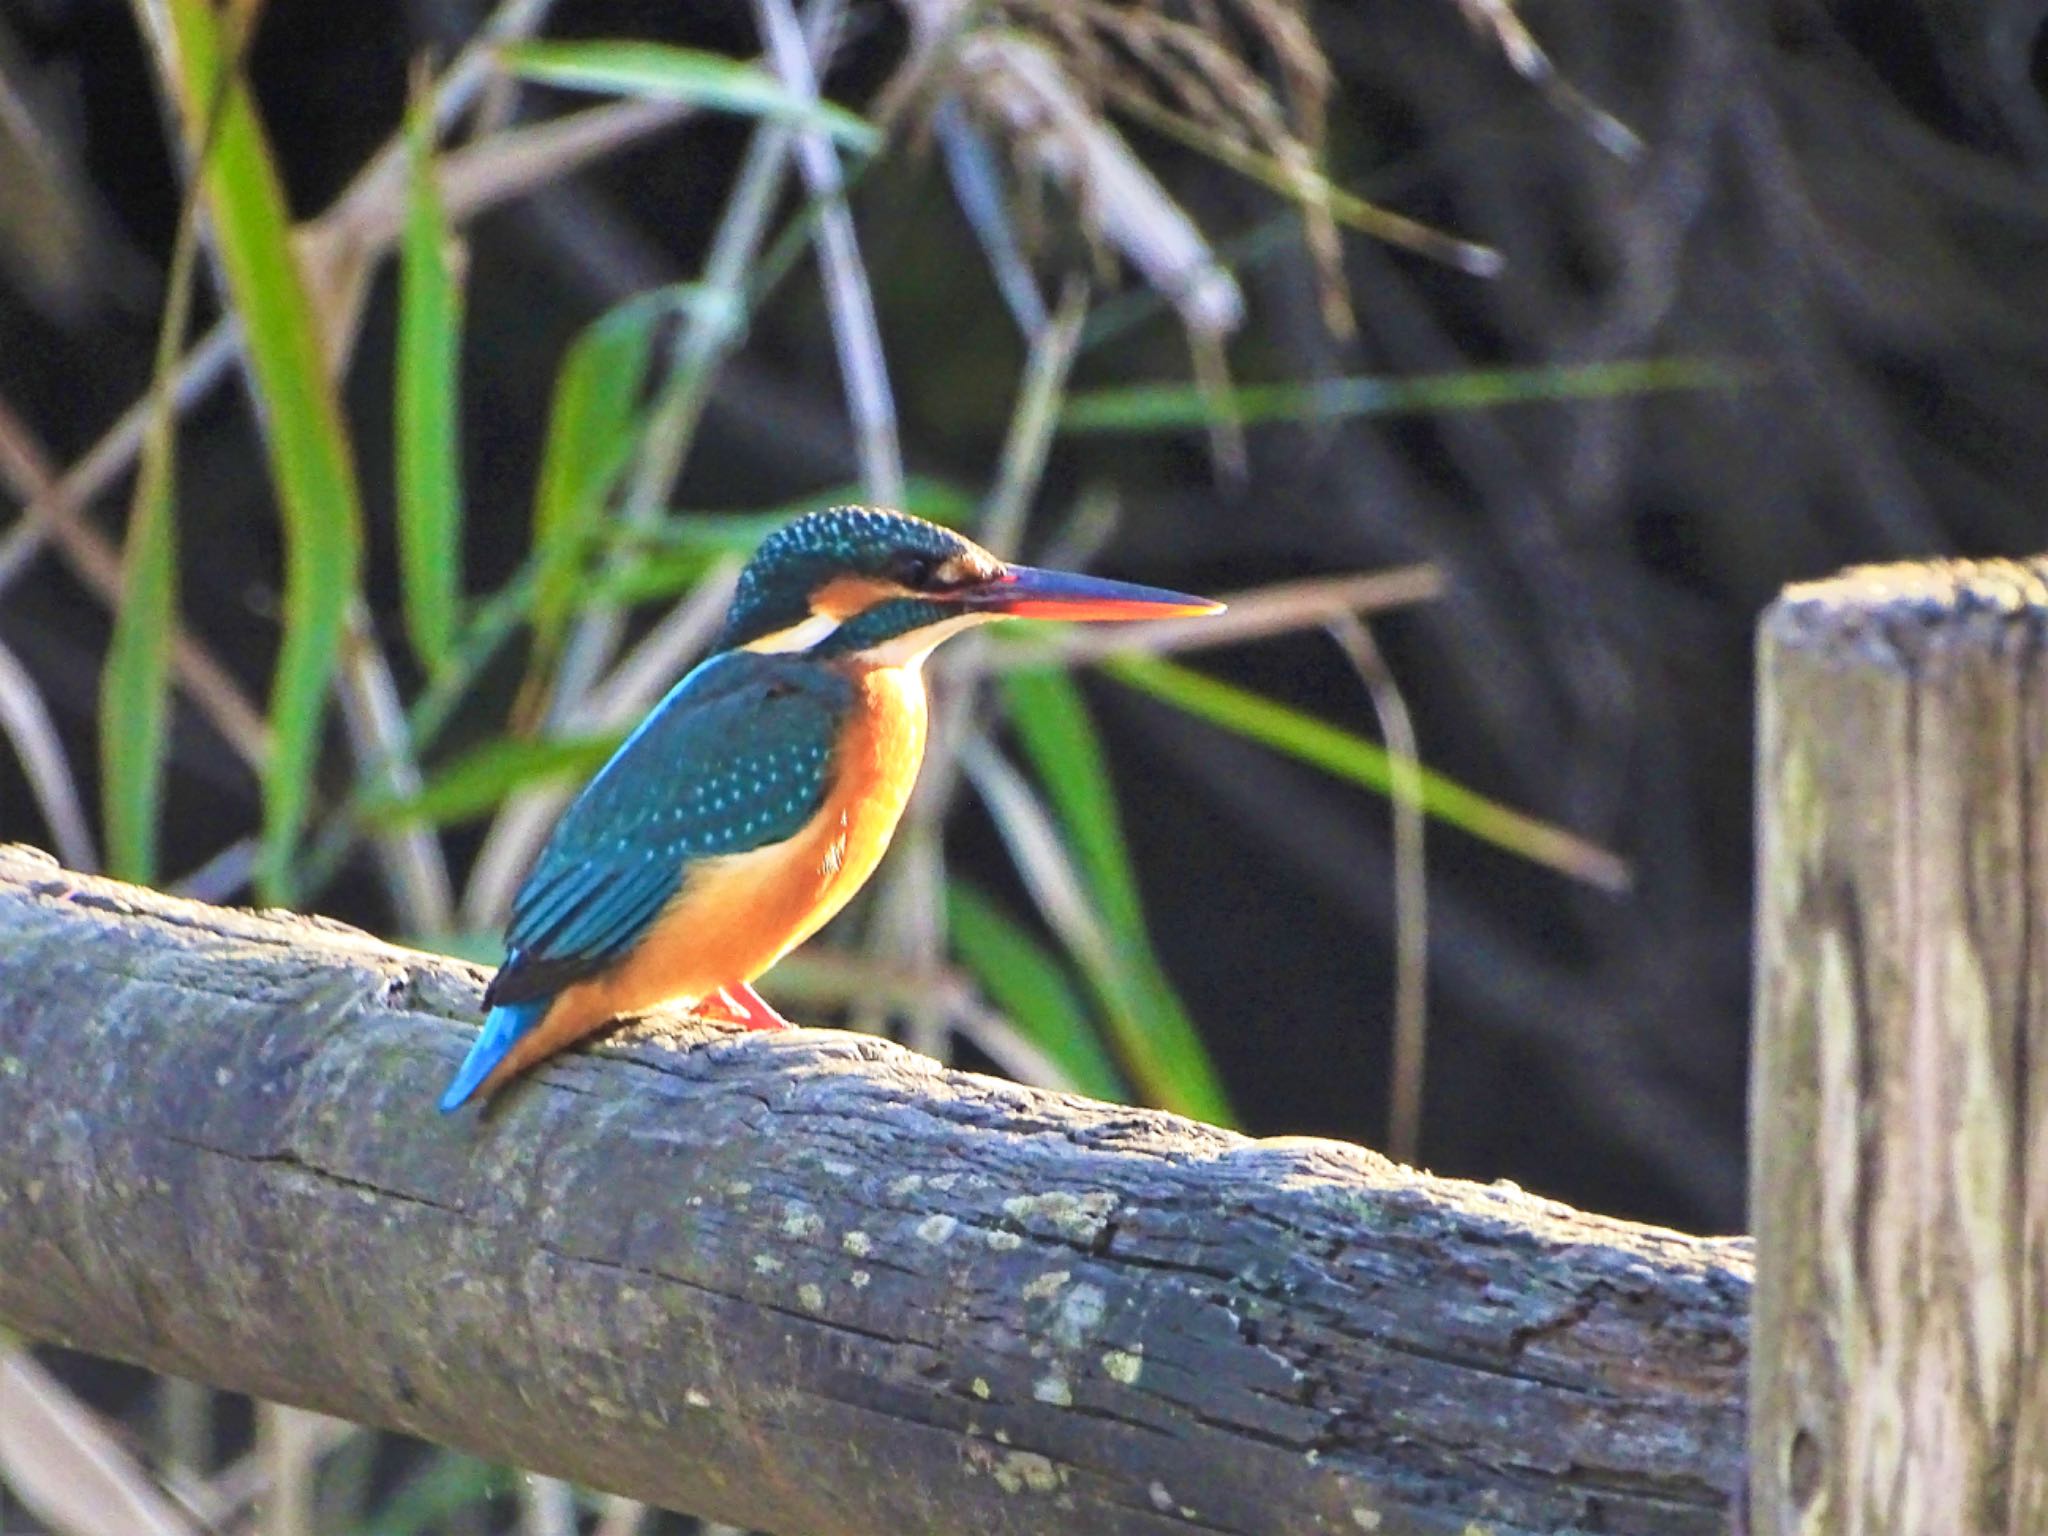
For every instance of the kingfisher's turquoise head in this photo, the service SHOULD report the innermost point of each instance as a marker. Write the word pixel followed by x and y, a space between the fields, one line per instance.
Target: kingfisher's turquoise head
pixel 869 585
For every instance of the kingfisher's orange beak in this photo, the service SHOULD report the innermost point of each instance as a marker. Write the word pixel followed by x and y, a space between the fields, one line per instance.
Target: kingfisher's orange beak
pixel 1026 592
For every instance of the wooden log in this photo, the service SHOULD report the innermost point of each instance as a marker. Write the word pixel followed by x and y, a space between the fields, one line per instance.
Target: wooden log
pixel 1900 1154
pixel 812 1282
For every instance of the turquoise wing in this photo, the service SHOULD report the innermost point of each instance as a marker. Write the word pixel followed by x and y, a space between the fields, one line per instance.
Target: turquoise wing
pixel 737 756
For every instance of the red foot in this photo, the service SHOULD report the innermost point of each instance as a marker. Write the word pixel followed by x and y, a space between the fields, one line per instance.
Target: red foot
pixel 740 1004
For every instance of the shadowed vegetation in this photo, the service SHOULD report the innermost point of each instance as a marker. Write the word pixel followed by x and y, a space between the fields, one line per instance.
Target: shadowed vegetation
pixel 381 429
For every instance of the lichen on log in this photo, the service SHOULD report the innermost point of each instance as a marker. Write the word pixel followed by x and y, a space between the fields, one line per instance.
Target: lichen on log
pixel 811 1282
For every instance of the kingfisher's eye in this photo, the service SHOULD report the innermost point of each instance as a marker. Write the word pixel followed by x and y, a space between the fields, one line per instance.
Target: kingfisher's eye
pixel 913 570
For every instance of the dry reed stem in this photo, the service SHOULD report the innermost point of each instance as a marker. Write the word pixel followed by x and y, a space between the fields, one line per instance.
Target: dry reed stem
pixel 1411 886
pixel 850 301
pixel 25 721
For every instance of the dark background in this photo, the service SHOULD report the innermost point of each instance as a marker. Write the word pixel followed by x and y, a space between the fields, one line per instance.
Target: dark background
pixel 1850 198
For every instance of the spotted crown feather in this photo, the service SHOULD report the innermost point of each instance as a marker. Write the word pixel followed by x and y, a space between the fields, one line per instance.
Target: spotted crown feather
pixel 774 590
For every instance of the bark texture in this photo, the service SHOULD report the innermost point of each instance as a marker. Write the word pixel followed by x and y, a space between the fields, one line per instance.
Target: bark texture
pixel 1900 1159
pixel 812 1282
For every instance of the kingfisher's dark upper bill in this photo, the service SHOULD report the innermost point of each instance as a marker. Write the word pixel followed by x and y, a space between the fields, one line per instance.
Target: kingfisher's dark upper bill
pixel 1026 592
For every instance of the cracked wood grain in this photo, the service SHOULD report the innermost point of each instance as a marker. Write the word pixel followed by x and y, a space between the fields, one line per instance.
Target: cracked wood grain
pixel 813 1283
pixel 1900 1159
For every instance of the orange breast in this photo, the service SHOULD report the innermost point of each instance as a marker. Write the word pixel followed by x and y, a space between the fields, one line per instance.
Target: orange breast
pixel 737 915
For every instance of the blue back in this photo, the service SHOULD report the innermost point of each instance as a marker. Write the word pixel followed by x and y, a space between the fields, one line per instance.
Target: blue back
pixel 736 757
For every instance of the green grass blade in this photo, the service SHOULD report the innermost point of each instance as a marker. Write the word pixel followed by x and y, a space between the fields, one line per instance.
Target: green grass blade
pixel 592 426
pixel 1052 723
pixel 931 497
pixel 1310 190
pixel 629 68
pixel 1154 1033
pixel 479 781
pixel 487 630
pixel 1183 407
pixel 654 575
pixel 310 460
pixel 425 410
pixel 135 681
pixel 1347 755
pixel 437 1494
pixel 661 559
pixel 135 686
pixel 1030 986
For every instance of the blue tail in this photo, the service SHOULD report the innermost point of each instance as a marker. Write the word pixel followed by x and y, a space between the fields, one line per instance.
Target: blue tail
pixel 502 1028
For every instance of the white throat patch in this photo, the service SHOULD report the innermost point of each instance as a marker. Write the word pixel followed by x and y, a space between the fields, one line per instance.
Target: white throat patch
pixel 909 650
pixel 801 636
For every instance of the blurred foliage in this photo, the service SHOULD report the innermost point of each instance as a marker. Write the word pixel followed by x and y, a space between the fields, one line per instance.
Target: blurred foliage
pixel 607 402
pixel 1148 1023
pixel 633 68
pixel 592 429
pixel 1168 407
pixel 286 344
pixel 426 415
pixel 1792 319
pixel 1367 763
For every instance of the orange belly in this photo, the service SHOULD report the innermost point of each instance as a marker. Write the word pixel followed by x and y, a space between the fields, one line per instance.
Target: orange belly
pixel 737 914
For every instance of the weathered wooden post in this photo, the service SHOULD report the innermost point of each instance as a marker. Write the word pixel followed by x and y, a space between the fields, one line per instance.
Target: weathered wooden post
pixel 1900 1169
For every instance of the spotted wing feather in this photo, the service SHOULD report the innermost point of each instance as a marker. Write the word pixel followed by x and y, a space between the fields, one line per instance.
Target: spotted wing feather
pixel 736 757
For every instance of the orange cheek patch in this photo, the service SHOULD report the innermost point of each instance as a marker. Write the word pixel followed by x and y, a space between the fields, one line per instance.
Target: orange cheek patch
pixel 844 596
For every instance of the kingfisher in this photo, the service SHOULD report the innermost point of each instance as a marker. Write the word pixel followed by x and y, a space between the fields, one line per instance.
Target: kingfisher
pixel 761 792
